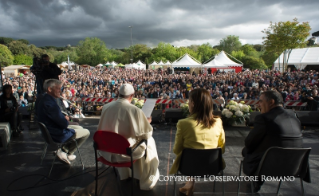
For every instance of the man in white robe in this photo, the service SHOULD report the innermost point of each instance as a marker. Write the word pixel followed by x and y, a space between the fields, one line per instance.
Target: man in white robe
pixel 129 121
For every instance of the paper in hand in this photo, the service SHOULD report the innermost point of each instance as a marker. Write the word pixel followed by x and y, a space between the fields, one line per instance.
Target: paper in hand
pixel 148 107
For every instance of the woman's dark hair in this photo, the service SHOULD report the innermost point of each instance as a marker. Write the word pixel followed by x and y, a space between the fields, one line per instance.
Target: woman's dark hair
pixel 203 107
pixel 275 95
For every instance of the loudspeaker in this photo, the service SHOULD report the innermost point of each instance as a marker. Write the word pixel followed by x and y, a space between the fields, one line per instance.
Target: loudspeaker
pixel 157 116
pixel 252 118
pixel 173 114
pixel 308 118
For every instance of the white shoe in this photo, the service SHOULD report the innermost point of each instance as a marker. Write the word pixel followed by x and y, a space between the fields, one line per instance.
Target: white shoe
pixel 71 157
pixel 63 156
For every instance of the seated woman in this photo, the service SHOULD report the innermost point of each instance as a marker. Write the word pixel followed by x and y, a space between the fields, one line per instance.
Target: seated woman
pixel 201 130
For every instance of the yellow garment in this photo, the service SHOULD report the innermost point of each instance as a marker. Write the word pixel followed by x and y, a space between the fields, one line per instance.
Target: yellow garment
pixel 188 135
pixel 188 86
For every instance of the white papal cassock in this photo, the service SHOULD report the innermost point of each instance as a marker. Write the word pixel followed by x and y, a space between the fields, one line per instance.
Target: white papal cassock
pixel 129 121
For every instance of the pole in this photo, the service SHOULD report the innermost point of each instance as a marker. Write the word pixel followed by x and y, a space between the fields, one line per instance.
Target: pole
pixel 131 44
pixel 1 81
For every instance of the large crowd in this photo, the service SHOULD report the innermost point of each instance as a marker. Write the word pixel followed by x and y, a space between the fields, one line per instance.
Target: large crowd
pixel 105 82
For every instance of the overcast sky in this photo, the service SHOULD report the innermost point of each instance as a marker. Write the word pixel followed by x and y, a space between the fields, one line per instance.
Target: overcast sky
pixel 178 22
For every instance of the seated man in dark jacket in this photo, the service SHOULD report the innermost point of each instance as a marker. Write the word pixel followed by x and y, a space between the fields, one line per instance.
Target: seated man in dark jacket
pixel 273 127
pixel 49 113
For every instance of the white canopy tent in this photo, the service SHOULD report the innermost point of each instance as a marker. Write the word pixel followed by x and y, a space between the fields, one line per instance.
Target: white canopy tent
pixel 141 65
pixel 187 61
pixel 168 63
pixel 153 65
pixel 300 58
pixel 223 59
pixel 99 65
pixel 215 64
pixel 113 63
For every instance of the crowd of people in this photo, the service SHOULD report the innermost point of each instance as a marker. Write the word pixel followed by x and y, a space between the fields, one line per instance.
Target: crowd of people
pixel 249 84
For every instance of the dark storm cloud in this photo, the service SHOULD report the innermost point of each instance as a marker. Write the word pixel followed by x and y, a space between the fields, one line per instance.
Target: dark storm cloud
pixel 180 22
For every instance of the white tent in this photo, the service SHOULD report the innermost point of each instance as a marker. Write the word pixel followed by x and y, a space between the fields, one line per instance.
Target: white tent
pixel 187 61
pixel 300 58
pixel 99 65
pixel 140 65
pixel 113 63
pixel 154 63
pixel 215 64
pixel 223 59
pixel 160 63
pixel 167 63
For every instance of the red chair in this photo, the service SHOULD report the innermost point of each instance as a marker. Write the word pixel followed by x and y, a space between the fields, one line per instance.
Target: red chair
pixel 113 143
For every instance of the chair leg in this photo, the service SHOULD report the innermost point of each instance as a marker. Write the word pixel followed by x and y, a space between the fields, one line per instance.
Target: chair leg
pixel 252 187
pixel 240 166
pixel 278 187
pixel 115 171
pixel 96 176
pixel 302 189
pixel 223 183
pixel 79 153
pixel 52 164
pixel 132 179
pixel 175 184
pixel 44 152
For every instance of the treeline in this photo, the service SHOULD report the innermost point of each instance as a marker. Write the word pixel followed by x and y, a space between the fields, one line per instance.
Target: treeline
pixel 93 51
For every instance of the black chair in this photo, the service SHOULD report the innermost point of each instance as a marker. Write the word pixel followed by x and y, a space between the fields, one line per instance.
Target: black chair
pixel 48 141
pixel 283 162
pixel 200 162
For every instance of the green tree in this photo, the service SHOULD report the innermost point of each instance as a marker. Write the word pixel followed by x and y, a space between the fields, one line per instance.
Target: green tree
pixel 205 52
pixel 35 51
pixel 285 36
pixel 91 51
pixel 17 47
pixel 5 40
pixel 6 57
pixel 253 62
pixel 22 59
pixel 24 41
pixel 240 55
pixel 269 58
pixel 164 52
pixel 229 44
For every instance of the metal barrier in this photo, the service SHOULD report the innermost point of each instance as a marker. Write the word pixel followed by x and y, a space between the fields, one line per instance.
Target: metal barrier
pixel 165 103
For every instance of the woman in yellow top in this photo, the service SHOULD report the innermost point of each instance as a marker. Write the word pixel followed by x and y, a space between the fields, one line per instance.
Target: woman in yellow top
pixel 201 130
pixel 188 85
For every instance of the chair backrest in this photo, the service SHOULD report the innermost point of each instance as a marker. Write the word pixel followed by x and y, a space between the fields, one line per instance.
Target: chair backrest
pixel 200 162
pixel 110 142
pixel 279 161
pixel 45 133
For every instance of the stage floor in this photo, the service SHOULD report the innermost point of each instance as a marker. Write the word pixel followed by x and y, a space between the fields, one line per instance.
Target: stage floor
pixel 22 160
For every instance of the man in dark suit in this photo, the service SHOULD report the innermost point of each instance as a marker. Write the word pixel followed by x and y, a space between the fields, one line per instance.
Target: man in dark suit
pixel 49 113
pixel 273 127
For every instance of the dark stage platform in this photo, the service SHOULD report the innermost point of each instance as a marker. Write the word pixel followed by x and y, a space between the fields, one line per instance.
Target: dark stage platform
pixel 22 160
